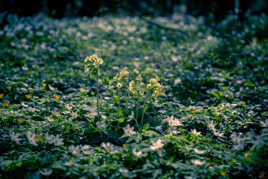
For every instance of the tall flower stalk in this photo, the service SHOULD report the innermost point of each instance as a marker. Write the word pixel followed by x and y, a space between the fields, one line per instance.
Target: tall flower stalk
pixel 92 67
pixel 98 91
pixel 144 94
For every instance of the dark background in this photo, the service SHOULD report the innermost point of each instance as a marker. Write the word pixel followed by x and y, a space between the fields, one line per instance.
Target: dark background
pixel 63 8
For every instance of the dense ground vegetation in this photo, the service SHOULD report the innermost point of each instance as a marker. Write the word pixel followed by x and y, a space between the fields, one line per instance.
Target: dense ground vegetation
pixel 186 101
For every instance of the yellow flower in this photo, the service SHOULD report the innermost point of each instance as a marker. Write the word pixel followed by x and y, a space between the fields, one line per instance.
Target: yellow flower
pixel 131 87
pixel 28 96
pixel 115 78
pixel 116 97
pixel 156 86
pixel 139 78
pixel 87 59
pixel 153 80
pixel 247 154
pixel 135 71
pixel 9 87
pixel 95 63
pixel 57 97
pixel 30 90
pixel 123 74
pixel 92 62
pixel 94 58
pixel 30 73
pixel 44 84
pixel 87 69
pixel 5 103
pixel 119 85
pixel 100 61
pixel 156 93
pixel 222 107
pixel 39 138
pixel 1 95
pixel 141 92
pixel 20 120
pixel 223 172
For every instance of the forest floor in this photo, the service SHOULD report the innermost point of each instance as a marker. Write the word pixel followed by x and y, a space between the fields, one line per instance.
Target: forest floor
pixel 182 99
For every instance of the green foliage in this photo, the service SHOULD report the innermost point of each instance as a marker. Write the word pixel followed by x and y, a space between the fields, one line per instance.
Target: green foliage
pixel 162 105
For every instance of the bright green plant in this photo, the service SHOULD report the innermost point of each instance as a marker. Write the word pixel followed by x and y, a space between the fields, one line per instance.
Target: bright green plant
pixel 133 94
pixel 126 89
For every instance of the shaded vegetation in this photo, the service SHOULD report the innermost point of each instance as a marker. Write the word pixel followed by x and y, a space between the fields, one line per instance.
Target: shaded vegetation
pixel 207 117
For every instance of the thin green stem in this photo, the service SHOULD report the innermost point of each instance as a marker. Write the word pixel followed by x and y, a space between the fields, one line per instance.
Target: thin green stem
pixel 143 110
pixel 98 93
pixel 127 92
pixel 136 114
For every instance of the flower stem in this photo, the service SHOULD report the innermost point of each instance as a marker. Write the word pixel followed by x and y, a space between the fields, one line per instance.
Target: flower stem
pixel 98 94
pixel 143 111
pixel 136 114
pixel 144 104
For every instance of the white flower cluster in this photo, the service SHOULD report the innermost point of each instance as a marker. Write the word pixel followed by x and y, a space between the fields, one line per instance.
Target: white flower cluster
pixel 198 162
pixel 238 141
pixel 109 147
pixel 211 125
pixel 31 138
pixel 56 140
pixel 173 122
pixel 197 151
pixel 264 124
pixel 156 145
pixel 129 130
pixel 77 150
pixel 195 132
pixel 14 136
pixel 137 153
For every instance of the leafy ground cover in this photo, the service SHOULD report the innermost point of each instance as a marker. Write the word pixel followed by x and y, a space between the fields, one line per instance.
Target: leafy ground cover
pixel 154 103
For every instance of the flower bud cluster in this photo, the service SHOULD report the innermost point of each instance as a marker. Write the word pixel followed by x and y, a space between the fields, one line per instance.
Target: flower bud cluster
pixel 92 63
pixel 155 87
